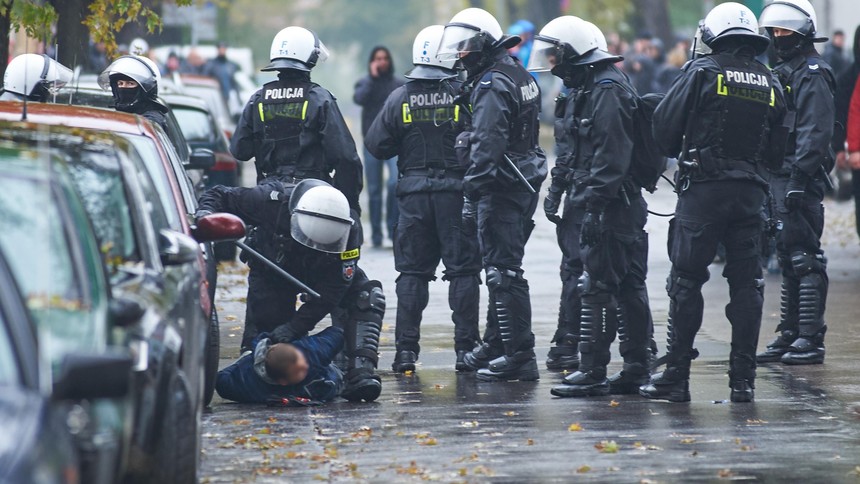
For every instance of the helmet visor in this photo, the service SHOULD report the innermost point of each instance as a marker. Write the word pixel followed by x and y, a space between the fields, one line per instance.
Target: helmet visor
pixel 546 54
pixel 784 16
pixel 460 39
pixel 326 234
pixel 57 77
pixel 323 53
pixel 132 67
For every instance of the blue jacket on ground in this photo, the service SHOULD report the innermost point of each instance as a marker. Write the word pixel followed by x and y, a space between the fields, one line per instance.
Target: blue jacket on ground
pixel 245 381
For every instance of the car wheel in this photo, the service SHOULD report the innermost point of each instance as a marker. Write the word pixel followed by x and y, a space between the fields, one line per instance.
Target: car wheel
pixel 213 353
pixel 176 454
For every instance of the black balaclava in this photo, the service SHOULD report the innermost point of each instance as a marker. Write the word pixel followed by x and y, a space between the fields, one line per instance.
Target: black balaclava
pixel 788 46
pixel 573 76
pixel 126 99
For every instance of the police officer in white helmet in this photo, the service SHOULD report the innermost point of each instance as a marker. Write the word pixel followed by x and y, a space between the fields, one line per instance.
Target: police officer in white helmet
pixel 33 77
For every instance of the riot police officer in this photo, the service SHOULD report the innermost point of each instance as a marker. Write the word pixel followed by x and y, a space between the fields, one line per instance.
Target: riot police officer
pixel 419 123
pixel 313 237
pixel 606 206
pixel 134 81
pixel 292 127
pixel 294 130
pixel 723 116
pixel 798 184
pixel 33 77
pixel 505 167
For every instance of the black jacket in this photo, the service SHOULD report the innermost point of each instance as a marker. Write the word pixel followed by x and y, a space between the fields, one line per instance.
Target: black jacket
pixel 324 143
pixel 719 125
pixel 597 139
pixel 371 93
pixel 810 88
pixel 419 124
pixel 504 122
pixel 266 206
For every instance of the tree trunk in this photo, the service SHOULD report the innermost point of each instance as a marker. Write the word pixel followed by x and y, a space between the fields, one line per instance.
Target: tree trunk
pixel 5 25
pixel 73 37
pixel 653 16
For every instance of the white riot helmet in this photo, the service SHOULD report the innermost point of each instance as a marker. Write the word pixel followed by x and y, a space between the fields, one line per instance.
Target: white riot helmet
pixel 568 40
pixel 320 216
pixel 598 35
pixel 471 30
pixel 138 46
pixel 139 69
pixel 732 19
pixel 795 15
pixel 35 76
pixel 296 48
pixel 427 64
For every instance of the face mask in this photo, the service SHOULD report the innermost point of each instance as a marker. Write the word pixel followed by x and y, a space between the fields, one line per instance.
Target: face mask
pixel 575 77
pixel 126 96
pixel 471 63
pixel 787 45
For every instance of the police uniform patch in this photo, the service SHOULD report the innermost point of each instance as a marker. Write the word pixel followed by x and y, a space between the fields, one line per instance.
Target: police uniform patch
pixel 486 81
pixel 348 270
pixel 274 195
pixel 350 254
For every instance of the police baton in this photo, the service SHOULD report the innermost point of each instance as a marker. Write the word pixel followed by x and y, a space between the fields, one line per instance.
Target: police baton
pixel 279 270
pixel 519 174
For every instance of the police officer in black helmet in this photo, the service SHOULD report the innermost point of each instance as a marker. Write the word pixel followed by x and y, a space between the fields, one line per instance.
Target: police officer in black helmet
pixel 294 130
pixel 799 183
pixel 292 127
pixel 134 80
pixel 606 207
pixel 505 167
pixel 419 123
pixel 723 115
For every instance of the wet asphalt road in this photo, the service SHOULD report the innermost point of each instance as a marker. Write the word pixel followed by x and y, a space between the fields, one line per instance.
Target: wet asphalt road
pixel 804 425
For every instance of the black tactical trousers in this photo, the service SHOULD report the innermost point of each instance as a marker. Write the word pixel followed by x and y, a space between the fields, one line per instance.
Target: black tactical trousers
pixel 709 213
pixel 430 228
pixel 504 226
pixel 613 292
pixel 570 305
pixel 798 247
pixel 271 302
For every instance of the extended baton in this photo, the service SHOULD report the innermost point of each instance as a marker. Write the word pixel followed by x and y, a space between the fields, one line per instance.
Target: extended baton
pixel 519 174
pixel 278 269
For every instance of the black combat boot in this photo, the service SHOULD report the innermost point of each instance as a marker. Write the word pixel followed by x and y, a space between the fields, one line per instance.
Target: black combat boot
pixel 565 354
pixel 461 366
pixel 629 379
pixel 673 384
pixel 362 382
pixel 404 361
pixel 741 377
pixel 788 308
pixel 590 379
pixel 635 348
pixel 806 350
pixel 521 366
pixel 481 356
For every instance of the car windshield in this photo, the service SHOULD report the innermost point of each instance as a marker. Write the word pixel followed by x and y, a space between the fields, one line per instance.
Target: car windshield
pixel 195 125
pixel 151 158
pixel 97 176
pixel 39 231
pixel 211 96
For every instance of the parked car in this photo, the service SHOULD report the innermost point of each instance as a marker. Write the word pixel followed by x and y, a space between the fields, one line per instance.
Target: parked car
pixel 154 271
pixel 175 192
pixel 65 308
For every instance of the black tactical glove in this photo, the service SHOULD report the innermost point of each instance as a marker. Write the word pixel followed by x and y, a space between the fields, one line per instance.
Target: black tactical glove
pixel 795 189
pixel 470 215
pixel 284 334
pixel 200 214
pixel 552 202
pixel 592 228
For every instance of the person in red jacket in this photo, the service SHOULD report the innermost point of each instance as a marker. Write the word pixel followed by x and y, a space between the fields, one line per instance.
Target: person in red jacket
pixel 852 137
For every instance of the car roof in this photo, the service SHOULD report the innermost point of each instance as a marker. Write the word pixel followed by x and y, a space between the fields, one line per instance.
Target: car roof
pixel 74 116
pixel 185 101
pixel 198 80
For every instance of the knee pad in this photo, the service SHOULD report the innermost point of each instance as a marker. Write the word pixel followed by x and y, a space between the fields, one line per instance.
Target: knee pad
pixel 371 299
pixel 804 263
pixel 677 284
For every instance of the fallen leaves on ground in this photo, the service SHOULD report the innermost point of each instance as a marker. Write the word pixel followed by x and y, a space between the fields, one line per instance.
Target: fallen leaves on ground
pixel 412 469
pixel 530 442
pixel 583 469
pixel 607 447
pixel 575 427
pixel 725 473
pixel 241 422
pixel 469 425
pixel 511 413
pixel 688 440
pixel 613 403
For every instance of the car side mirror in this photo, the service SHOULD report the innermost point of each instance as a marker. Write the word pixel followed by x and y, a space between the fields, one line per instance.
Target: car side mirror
pixel 125 312
pixel 218 227
pixel 201 159
pixel 176 248
pixel 87 376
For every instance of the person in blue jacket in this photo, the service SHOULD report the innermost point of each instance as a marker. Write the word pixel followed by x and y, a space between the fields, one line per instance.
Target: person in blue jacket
pixel 302 369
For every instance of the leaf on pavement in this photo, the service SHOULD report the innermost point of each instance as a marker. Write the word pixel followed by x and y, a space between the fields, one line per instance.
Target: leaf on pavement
pixel 607 447
pixel 469 425
pixel 511 413
pixel 575 427
pixel 583 469
pixel 614 404
pixel 241 422
pixel 725 473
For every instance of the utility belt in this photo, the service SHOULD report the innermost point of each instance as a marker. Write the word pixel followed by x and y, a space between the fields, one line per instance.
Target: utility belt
pixel 433 173
pixel 292 174
pixel 704 163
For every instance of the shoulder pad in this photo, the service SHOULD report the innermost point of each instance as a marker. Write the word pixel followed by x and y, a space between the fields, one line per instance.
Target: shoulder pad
pixel 487 81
